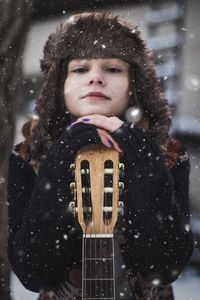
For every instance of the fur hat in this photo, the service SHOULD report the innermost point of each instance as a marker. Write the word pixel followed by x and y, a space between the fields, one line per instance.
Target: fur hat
pixel 102 35
pixel 94 35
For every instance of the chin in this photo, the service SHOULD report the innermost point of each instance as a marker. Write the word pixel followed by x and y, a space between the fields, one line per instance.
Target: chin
pixel 94 112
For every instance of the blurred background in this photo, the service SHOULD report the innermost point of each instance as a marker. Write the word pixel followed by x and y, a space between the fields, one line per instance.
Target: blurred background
pixel 172 31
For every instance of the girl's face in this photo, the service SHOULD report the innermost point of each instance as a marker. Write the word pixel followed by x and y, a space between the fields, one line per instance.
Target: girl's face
pixel 97 86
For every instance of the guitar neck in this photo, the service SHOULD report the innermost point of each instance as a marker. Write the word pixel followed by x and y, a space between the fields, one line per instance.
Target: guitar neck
pixel 98 273
pixel 96 200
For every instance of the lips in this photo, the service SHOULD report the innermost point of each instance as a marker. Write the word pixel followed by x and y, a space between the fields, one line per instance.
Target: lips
pixel 96 94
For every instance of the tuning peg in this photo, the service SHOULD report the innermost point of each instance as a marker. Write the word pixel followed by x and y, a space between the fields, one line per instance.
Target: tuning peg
pixel 121 166
pixel 72 186
pixel 73 190
pixel 121 208
pixel 121 169
pixel 72 169
pixel 121 189
pixel 121 185
pixel 72 208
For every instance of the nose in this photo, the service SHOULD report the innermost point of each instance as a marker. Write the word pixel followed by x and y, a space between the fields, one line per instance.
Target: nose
pixel 96 78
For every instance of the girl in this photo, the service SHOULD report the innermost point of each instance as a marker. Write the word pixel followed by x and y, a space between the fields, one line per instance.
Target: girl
pixel 96 67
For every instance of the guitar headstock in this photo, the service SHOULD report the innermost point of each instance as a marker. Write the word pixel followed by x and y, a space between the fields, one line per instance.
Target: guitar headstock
pixel 96 189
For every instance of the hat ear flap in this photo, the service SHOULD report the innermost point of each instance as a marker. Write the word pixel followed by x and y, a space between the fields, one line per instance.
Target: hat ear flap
pixel 49 50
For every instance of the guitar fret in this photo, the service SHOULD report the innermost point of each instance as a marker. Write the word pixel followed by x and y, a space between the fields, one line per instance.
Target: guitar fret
pixel 96 279
pixel 99 258
pixel 98 289
pixel 98 268
pixel 98 264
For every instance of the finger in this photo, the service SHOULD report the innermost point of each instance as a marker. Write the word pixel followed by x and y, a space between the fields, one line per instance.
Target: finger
pixel 96 120
pixel 104 140
pixel 110 141
pixel 108 123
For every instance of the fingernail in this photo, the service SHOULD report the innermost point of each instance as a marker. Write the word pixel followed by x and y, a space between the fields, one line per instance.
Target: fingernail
pixel 85 119
pixel 110 143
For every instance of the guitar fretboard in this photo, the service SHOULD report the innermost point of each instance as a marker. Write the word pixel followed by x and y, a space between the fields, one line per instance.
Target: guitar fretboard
pixel 98 268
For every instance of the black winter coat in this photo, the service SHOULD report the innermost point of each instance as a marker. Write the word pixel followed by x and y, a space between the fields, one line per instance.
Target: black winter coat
pixel 44 243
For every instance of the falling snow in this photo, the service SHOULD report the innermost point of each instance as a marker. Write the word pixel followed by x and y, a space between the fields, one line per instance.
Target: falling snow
pixel 47 186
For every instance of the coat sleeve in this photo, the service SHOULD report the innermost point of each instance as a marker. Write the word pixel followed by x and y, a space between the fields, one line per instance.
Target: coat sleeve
pixel 43 243
pixel 158 240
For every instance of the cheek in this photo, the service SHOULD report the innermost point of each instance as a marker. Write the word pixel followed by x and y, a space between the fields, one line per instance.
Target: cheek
pixel 124 96
pixel 70 87
pixel 123 90
pixel 73 87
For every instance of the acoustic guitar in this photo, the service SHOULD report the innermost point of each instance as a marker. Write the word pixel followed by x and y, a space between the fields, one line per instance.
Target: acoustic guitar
pixel 96 204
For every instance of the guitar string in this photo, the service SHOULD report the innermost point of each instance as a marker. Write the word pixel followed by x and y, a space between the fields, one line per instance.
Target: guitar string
pixel 83 241
pixel 107 244
pixel 95 254
pixel 113 254
pixel 83 247
pixel 111 246
pixel 100 241
pixel 87 239
pixel 90 238
pixel 83 263
pixel 106 248
pixel 86 269
pixel 90 262
pixel 110 242
pixel 108 262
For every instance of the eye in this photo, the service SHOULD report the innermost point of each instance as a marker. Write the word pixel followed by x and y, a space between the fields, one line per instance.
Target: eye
pixel 113 70
pixel 79 70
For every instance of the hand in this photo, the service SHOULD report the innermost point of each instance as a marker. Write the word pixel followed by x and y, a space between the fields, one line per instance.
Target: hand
pixel 105 125
pixel 108 123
